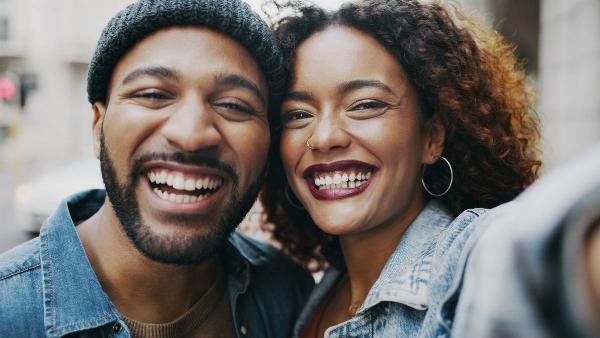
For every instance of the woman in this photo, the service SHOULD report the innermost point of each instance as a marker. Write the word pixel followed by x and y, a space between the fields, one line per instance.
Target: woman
pixel 398 118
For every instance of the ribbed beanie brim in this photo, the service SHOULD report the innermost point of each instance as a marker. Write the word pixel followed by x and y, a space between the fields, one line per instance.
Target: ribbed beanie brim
pixel 231 17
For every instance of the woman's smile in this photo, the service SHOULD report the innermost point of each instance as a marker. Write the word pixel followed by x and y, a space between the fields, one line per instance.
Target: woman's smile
pixel 340 179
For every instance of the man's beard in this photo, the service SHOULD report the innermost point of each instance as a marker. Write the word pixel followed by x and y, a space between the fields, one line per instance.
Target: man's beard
pixel 175 249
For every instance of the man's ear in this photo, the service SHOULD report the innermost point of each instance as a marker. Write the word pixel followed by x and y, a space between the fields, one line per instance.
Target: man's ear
pixel 99 112
pixel 435 137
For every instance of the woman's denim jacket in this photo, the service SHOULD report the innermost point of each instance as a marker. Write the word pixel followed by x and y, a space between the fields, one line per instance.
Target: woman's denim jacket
pixel 416 293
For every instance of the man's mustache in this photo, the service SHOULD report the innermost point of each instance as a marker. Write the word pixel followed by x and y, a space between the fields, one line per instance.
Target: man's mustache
pixel 190 158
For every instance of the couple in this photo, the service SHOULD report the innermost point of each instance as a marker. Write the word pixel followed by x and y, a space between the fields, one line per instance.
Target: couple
pixel 370 130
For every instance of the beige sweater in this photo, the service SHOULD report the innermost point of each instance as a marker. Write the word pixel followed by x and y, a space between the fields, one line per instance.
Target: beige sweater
pixel 209 317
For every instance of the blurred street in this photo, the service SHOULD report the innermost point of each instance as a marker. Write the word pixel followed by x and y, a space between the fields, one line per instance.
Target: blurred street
pixel 10 234
pixel 45 118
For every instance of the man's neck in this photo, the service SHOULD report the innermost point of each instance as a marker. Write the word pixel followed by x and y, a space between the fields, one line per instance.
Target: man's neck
pixel 140 288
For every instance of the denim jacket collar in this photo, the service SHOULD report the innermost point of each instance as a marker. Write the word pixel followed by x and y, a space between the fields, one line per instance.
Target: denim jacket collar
pixel 405 278
pixel 73 297
pixel 406 275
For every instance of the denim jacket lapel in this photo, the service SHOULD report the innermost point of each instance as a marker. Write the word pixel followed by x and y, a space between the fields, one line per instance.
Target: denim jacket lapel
pixel 73 297
pixel 405 277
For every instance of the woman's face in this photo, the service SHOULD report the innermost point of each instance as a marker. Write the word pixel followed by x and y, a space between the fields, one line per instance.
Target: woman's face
pixel 352 102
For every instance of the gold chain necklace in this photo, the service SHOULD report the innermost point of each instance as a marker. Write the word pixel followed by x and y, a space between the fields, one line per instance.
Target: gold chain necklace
pixel 353 308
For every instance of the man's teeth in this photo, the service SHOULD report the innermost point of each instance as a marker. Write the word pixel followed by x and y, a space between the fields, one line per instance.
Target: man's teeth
pixel 177 198
pixel 179 181
pixel 346 179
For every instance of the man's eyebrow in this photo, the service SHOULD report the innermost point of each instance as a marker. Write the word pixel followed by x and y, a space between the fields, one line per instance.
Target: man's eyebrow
pixel 235 80
pixel 349 86
pixel 299 96
pixel 154 71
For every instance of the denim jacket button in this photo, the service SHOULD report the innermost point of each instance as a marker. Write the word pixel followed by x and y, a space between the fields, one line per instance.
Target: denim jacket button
pixel 243 330
pixel 117 328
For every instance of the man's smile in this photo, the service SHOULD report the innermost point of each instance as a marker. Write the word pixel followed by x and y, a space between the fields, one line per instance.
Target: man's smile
pixel 180 187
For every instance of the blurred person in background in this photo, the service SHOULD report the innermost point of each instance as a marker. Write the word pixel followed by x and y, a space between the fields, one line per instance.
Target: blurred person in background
pixel 181 92
pixel 402 122
pixel 535 271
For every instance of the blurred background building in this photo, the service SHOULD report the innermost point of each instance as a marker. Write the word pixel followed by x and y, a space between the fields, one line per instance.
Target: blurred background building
pixel 45 119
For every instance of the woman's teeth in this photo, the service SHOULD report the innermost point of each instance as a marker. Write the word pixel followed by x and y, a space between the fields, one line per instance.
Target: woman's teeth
pixel 341 179
pixel 176 186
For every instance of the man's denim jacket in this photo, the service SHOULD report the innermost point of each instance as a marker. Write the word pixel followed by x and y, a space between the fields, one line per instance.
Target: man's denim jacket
pixel 48 287
pixel 414 293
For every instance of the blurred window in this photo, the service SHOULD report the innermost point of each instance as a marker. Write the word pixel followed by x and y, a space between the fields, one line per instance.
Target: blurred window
pixel 3 28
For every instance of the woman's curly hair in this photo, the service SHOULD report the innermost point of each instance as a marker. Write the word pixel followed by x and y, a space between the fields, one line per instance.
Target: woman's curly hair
pixel 464 74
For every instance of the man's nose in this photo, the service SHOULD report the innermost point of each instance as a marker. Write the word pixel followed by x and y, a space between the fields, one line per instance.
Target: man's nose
pixel 193 126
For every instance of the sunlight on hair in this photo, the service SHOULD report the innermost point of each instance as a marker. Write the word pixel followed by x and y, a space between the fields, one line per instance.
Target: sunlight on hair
pixel 329 4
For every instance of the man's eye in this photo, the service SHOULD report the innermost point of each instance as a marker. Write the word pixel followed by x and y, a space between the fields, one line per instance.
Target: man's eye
pixel 152 95
pixel 234 110
pixel 234 106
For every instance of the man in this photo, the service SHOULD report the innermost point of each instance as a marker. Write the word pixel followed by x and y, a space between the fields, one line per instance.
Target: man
pixel 180 93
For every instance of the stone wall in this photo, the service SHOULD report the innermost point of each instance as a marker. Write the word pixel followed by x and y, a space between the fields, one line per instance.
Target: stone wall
pixel 569 78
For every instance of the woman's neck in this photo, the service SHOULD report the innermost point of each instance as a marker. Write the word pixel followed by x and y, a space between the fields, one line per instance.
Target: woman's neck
pixel 366 253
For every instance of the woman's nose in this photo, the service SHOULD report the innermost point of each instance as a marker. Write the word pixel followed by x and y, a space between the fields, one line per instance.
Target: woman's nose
pixel 329 134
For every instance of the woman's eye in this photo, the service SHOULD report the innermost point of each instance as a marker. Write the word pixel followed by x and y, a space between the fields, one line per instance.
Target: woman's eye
pixel 295 118
pixel 369 105
pixel 296 115
pixel 367 109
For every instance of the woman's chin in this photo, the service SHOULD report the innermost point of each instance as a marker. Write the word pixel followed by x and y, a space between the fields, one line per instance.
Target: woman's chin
pixel 338 226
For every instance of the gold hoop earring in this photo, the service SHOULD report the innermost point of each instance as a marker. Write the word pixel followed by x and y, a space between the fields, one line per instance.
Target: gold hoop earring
pixel 449 185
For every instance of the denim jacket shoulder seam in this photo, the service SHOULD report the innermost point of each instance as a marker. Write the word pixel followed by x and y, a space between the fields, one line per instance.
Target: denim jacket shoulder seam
pixel 49 313
pixel 20 271
pixel 477 211
pixel 457 278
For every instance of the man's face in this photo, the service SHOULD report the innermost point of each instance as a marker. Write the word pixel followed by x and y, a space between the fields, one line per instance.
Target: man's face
pixel 183 141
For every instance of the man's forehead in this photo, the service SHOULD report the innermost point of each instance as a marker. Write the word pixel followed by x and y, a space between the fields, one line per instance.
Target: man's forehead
pixel 177 52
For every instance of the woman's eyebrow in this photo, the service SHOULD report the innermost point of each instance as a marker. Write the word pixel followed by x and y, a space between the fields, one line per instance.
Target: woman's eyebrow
pixel 349 86
pixel 299 96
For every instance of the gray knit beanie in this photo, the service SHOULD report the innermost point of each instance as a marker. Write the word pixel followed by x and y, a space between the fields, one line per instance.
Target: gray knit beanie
pixel 232 17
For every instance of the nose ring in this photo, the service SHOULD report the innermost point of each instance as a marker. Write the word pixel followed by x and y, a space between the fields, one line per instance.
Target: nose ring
pixel 308 144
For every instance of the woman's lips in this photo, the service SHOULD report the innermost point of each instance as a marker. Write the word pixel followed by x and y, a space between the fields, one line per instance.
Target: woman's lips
pixel 339 179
